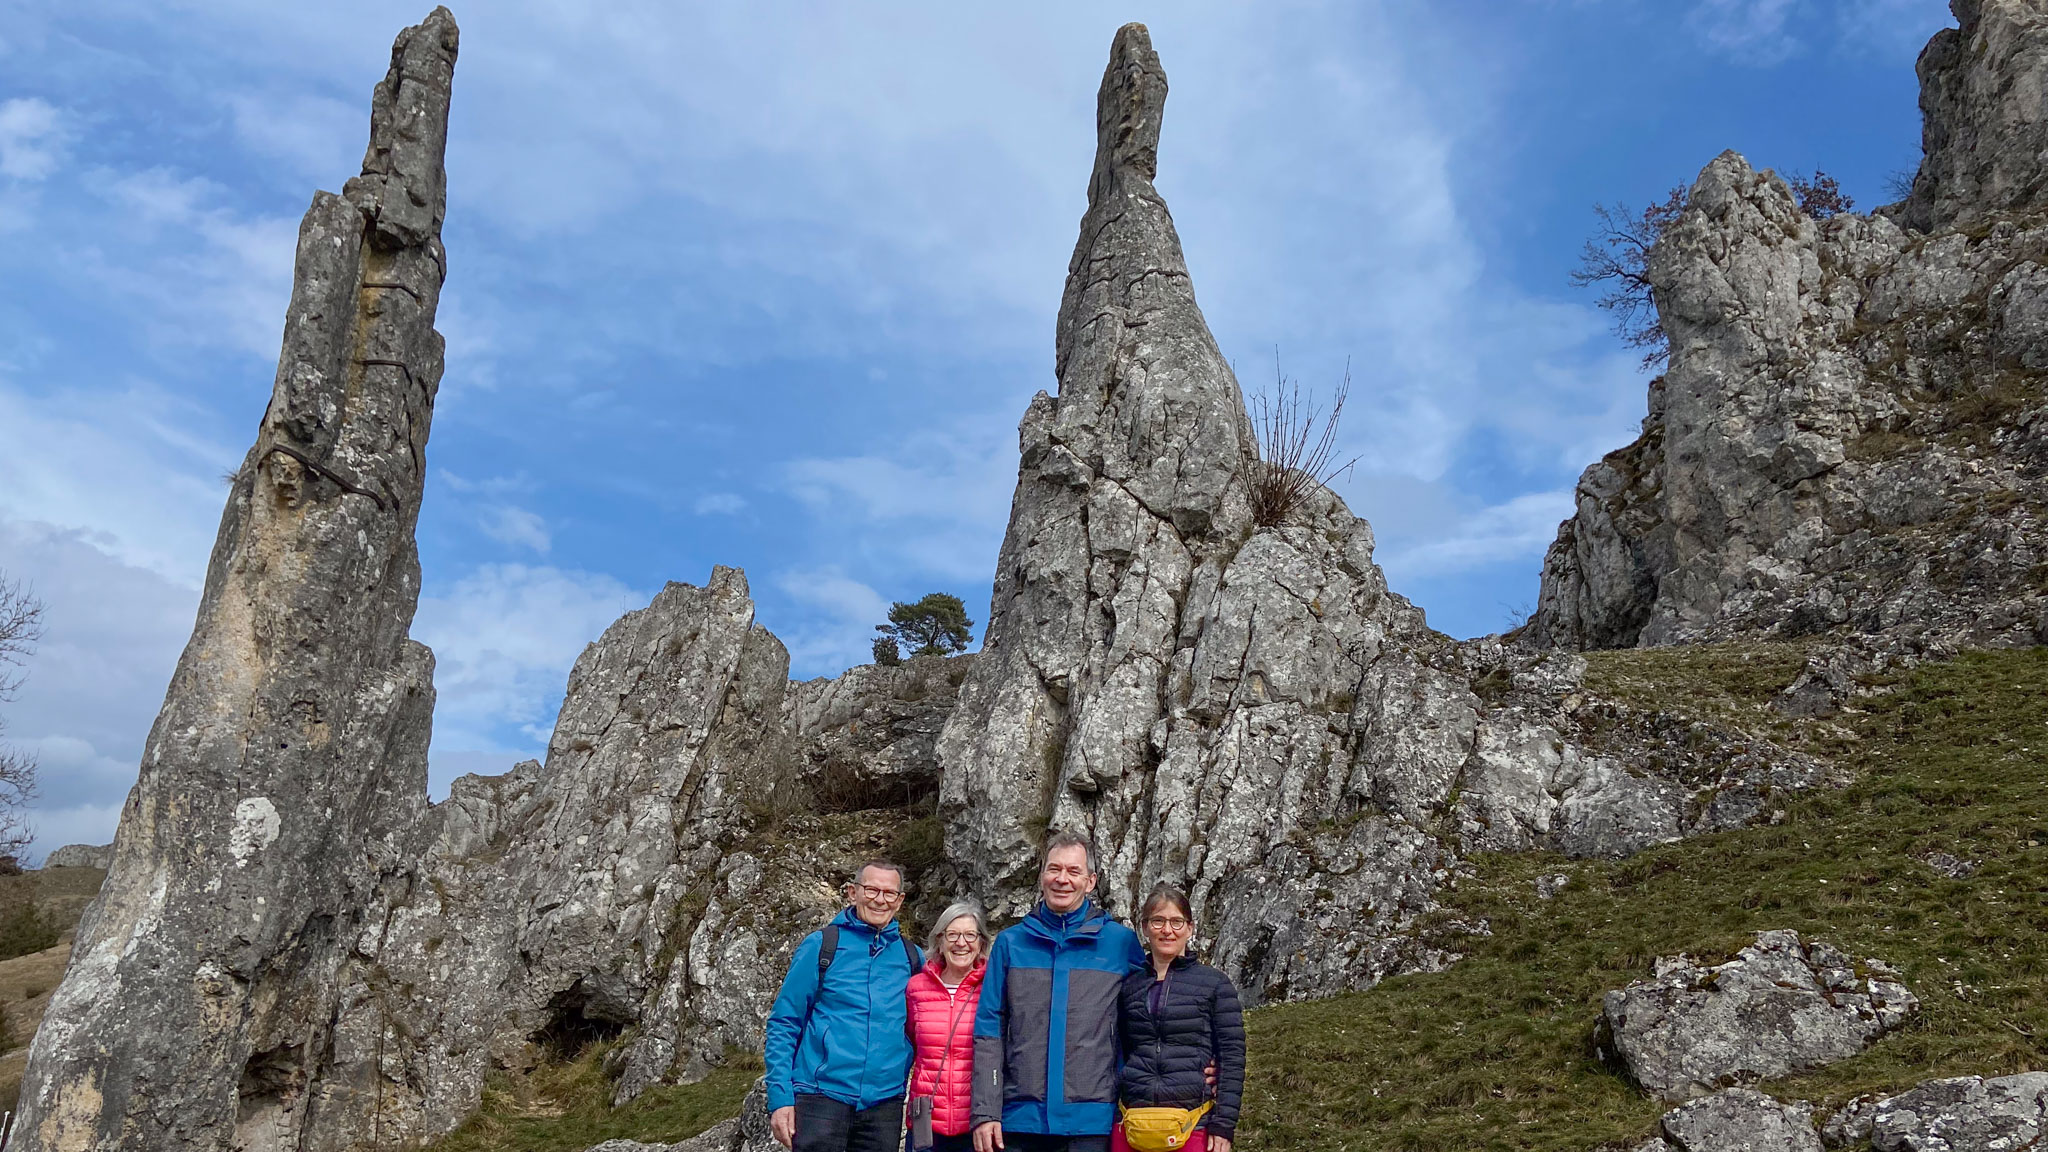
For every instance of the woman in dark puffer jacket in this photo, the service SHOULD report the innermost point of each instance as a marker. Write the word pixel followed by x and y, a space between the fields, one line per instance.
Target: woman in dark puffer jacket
pixel 1176 1019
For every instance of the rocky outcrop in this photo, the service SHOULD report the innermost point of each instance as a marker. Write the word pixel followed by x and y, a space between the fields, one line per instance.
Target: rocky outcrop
pixel 870 736
pixel 1982 129
pixel 1245 708
pixel 81 856
pixel 290 755
pixel 1736 1120
pixel 1847 437
pixel 1780 1006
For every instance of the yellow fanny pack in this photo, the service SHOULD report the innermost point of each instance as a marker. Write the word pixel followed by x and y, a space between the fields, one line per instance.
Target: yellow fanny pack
pixel 1161 1129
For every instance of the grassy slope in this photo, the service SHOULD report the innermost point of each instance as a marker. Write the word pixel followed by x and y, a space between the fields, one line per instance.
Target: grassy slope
pixel 1497 1051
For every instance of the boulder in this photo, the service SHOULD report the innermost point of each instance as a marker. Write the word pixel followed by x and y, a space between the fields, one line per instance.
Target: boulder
pixel 1964 1114
pixel 1780 1006
pixel 1736 1120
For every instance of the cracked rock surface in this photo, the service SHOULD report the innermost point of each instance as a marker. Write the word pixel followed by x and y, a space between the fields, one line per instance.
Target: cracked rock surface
pixel 290 754
pixel 1781 1006
pixel 1736 1120
pixel 1847 438
pixel 1244 709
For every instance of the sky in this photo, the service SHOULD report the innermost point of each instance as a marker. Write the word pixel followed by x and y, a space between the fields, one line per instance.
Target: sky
pixel 770 286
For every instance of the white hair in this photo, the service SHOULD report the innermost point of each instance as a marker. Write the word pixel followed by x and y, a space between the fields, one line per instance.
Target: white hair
pixel 954 911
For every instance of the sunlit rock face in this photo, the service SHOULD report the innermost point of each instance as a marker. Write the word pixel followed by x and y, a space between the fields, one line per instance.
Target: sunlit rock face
pixel 1847 439
pixel 290 756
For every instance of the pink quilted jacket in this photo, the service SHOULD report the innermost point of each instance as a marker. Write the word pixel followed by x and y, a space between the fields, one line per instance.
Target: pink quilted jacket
pixel 932 1016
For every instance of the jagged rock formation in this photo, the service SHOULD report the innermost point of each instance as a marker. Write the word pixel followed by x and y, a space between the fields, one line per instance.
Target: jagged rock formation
pixel 1245 709
pixel 1847 439
pixel 1780 1006
pixel 290 755
pixel 326 962
pixel 81 856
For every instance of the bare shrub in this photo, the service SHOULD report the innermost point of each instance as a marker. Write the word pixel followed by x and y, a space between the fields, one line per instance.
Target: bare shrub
pixel 21 625
pixel 1819 195
pixel 1617 257
pixel 1297 445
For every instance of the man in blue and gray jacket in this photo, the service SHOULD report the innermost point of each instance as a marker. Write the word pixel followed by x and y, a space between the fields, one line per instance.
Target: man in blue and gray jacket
pixel 1045 1033
pixel 836 1050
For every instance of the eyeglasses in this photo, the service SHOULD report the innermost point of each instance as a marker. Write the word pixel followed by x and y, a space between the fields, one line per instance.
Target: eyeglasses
pixel 881 895
pixel 963 937
pixel 1166 924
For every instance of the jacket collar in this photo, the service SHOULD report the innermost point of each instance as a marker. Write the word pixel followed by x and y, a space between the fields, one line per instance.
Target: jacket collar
pixel 1085 921
pixel 937 967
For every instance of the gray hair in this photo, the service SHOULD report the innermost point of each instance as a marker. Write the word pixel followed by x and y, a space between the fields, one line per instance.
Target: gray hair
pixel 954 911
pixel 1059 840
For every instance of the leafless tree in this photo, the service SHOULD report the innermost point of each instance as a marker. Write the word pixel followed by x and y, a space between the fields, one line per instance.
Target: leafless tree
pixel 21 625
pixel 1617 258
pixel 1297 445
pixel 1820 196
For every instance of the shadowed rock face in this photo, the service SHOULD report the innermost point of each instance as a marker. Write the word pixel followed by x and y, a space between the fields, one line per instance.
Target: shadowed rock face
pixel 1847 438
pixel 290 755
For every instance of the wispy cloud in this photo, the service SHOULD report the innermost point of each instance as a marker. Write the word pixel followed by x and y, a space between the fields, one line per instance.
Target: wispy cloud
pixel 508 524
pixel 841 632
pixel 1752 32
pixel 32 135
pixel 719 504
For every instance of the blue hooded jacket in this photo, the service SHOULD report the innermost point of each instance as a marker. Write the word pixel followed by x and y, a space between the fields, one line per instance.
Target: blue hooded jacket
pixel 1045 1035
pixel 845 1038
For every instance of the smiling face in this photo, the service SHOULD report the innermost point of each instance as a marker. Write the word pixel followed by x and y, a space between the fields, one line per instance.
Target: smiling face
pixel 875 895
pixel 1066 880
pixel 961 945
pixel 1167 930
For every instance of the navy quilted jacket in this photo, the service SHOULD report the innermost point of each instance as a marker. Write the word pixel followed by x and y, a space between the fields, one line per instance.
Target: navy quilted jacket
pixel 1197 1020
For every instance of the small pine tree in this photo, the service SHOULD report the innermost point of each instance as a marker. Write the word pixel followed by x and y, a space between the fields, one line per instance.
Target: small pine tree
pixel 934 626
pixel 886 652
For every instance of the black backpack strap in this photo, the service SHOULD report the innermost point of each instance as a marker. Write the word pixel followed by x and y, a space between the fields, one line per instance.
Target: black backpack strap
pixel 827 948
pixel 916 955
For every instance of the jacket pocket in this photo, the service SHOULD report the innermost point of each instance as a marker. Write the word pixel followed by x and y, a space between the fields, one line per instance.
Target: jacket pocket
pixel 1091 1035
pixel 1029 993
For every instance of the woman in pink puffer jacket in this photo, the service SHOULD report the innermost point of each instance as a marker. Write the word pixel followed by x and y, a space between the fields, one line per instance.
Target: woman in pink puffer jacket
pixel 942 999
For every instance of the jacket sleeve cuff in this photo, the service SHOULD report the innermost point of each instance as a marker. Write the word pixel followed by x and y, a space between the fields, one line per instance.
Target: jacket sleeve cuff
pixel 780 1097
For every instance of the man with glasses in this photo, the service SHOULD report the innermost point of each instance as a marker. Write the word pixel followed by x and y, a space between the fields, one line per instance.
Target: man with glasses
pixel 1045 1048
pixel 837 1050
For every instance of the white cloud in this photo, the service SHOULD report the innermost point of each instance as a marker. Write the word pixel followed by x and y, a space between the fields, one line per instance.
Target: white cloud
pixel 942 497
pixel 719 504
pixel 112 635
pixel 504 638
pixel 1746 31
pixel 1892 28
pixel 32 136
pixel 1513 530
pixel 516 526
pixel 842 633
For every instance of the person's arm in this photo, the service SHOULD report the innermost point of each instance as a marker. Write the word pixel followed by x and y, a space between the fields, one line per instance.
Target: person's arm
pixel 1226 1032
pixel 786 1022
pixel 991 1019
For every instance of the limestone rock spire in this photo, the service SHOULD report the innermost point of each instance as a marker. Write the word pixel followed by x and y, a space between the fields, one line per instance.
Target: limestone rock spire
pixel 1984 129
pixel 291 749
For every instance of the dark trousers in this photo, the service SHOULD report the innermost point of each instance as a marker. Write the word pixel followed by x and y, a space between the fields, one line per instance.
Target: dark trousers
pixel 825 1125
pixel 1032 1142
pixel 964 1142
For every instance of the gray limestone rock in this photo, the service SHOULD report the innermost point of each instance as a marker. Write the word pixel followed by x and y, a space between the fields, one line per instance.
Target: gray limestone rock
pixel 1846 438
pixel 290 755
pixel 1780 1006
pixel 81 856
pixel 1983 136
pixel 1741 1120
pixel 1242 708
pixel 869 736
pixel 1964 1114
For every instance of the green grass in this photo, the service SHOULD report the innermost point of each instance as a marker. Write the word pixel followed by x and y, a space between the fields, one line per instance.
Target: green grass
pixel 566 1108
pixel 1496 1052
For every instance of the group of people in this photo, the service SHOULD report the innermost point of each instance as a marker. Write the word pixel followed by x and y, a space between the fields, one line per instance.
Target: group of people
pixel 1068 1031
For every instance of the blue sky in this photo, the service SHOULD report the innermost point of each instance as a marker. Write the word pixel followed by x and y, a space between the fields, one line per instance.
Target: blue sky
pixel 770 286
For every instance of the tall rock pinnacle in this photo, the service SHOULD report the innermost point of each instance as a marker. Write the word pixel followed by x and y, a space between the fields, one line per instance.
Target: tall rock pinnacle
pixel 291 750
pixel 1130 480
